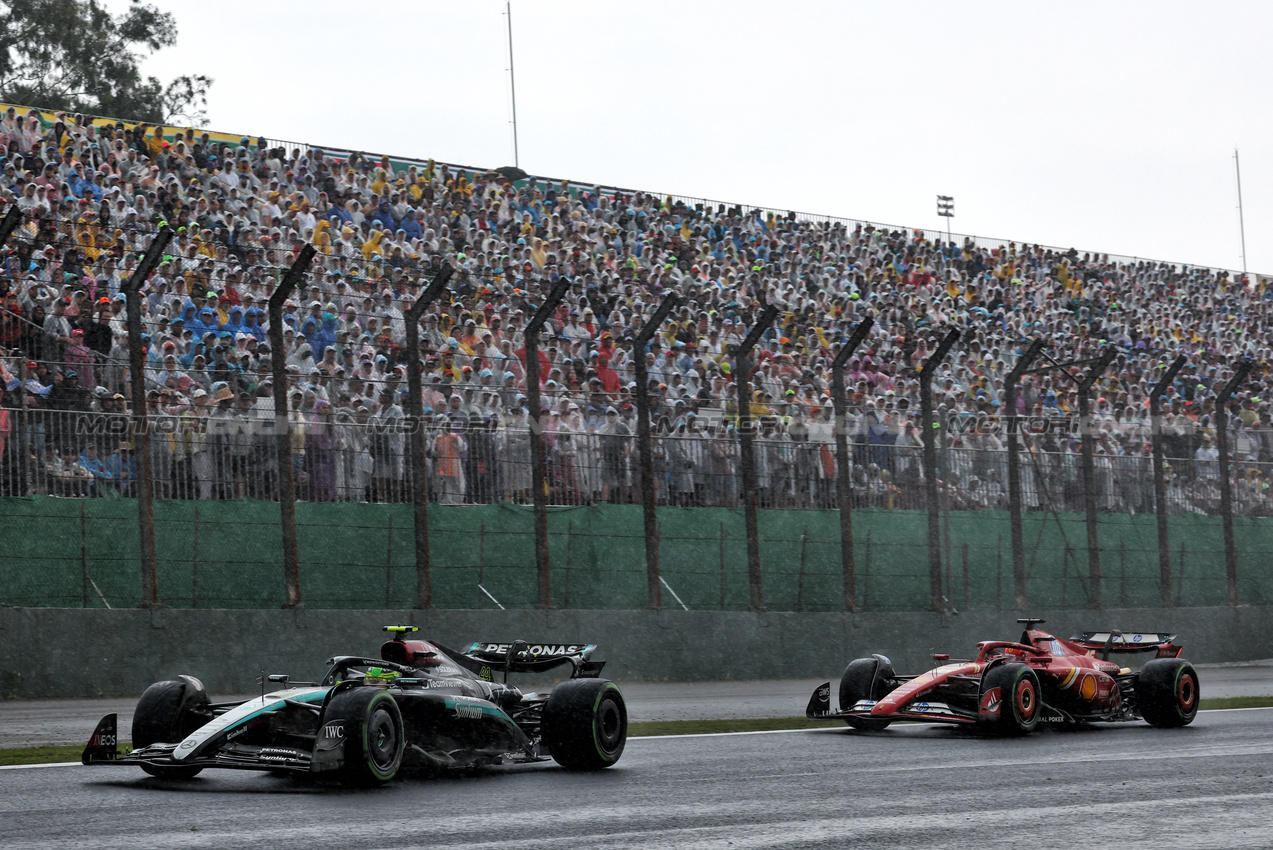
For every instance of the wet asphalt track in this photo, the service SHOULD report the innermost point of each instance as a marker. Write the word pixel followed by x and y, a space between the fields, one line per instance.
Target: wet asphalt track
pixel 917 785
pixel 31 723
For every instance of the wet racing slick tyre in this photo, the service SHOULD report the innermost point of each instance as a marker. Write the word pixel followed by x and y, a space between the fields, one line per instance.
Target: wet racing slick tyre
pixel 585 724
pixel 166 713
pixel 869 679
pixel 1167 692
pixel 375 738
pixel 1020 701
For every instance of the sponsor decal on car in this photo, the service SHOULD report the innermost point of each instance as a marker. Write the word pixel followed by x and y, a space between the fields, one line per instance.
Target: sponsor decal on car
pixel 466 709
pixel 468 712
pixel 991 700
pixel 535 650
pixel 331 736
pixel 436 684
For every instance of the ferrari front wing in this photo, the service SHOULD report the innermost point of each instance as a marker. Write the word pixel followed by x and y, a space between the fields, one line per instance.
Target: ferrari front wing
pixel 819 708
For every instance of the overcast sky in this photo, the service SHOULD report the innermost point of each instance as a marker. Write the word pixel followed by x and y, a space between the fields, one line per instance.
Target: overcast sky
pixel 1103 126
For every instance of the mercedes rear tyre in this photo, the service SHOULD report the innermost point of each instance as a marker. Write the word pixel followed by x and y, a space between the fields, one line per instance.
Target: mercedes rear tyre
pixel 865 679
pixel 585 724
pixel 1167 692
pixel 166 714
pixel 373 732
pixel 1019 699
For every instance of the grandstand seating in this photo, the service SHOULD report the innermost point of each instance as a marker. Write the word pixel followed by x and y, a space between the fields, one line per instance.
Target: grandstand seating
pixel 93 191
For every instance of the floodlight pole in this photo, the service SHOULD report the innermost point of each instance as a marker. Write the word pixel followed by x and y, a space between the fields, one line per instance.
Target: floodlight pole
pixel 415 421
pixel 539 482
pixel 1014 470
pixel 1226 492
pixel 747 455
pixel 930 429
pixel 843 483
pixel 652 572
pixel 1086 429
pixel 283 426
pixel 141 432
pixel 1160 482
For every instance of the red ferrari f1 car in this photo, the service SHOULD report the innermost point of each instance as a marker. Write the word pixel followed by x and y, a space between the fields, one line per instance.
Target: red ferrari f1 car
pixel 1013 686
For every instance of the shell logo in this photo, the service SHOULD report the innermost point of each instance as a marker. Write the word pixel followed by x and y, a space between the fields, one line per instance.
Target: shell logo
pixel 1087 687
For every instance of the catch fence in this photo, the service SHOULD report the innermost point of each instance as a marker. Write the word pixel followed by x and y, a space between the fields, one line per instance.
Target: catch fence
pixel 478 458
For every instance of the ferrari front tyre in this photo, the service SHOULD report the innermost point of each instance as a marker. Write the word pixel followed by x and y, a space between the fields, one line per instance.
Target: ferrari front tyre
pixel 374 735
pixel 1167 692
pixel 585 724
pixel 865 679
pixel 166 714
pixel 1019 698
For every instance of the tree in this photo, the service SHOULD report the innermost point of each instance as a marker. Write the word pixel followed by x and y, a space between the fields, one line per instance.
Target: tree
pixel 74 56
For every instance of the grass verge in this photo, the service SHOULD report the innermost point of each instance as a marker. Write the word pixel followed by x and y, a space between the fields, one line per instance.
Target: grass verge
pixel 701 727
pixel 40 755
pixel 647 728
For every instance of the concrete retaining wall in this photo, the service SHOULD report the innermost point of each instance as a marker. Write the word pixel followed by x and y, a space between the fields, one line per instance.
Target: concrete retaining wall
pixel 75 653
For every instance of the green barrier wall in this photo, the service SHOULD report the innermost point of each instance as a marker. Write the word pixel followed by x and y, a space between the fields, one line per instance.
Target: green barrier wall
pixel 84 553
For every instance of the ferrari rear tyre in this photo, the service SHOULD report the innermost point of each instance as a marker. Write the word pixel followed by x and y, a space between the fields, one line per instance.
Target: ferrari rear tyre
pixel 374 736
pixel 1020 700
pixel 865 679
pixel 166 713
pixel 585 724
pixel 1167 692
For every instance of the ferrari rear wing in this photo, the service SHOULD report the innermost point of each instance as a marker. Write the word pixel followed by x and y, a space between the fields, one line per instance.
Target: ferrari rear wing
pixel 1114 641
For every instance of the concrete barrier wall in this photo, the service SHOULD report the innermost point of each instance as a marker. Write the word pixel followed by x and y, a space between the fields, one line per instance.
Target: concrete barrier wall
pixel 48 653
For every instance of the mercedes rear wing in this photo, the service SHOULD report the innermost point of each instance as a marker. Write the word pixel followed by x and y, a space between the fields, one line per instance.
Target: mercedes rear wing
pixel 521 657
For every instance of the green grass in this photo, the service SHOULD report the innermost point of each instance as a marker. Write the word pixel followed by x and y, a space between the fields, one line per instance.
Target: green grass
pixel 647 728
pixel 40 755
pixel 700 727
pixel 1217 703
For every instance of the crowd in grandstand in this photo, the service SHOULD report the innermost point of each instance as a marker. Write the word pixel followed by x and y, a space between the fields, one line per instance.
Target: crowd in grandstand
pixel 93 193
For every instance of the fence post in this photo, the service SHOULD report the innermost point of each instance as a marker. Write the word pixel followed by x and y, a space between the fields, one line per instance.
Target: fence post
pixel 742 374
pixel 10 223
pixel 654 592
pixel 22 464
pixel 1014 470
pixel 419 470
pixel 1226 494
pixel 283 426
pixel 929 430
pixel 1094 596
pixel 141 434
pixel 1160 483
pixel 539 485
pixel 843 486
